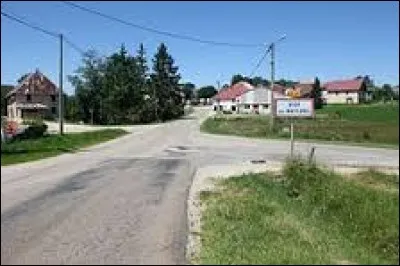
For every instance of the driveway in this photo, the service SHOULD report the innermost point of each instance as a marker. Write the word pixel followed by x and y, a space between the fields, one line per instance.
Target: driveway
pixel 124 201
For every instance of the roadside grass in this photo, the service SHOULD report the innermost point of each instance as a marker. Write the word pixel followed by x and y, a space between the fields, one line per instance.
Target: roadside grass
pixel 373 125
pixel 378 180
pixel 52 145
pixel 312 216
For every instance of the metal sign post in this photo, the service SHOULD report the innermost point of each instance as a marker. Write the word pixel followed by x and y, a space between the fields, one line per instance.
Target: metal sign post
pixel 291 138
pixel 292 108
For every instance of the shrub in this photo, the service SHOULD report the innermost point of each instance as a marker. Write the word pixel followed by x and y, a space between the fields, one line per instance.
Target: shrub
pixel 35 129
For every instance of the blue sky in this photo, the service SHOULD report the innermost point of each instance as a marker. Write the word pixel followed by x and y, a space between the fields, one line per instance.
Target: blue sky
pixel 331 40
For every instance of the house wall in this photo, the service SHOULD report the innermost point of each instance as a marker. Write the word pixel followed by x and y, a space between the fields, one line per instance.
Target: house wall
pixel 21 98
pixel 12 110
pixel 225 105
pixel 342 97
pixel 256 100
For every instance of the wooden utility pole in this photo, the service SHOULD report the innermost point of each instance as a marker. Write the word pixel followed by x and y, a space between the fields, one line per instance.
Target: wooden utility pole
pixel 60 90
pixel 272 50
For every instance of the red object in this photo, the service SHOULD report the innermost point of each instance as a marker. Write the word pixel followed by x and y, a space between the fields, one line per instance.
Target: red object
pixel 344 85
pixel 11 128
pixel 233 91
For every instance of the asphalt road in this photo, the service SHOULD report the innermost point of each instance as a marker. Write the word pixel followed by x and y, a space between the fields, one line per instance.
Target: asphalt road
pixel 124 201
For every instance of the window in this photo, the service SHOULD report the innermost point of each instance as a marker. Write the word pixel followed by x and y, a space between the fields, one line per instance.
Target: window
pixel 265 106
pixel 28 97
pixel 247 106
pixel 255 106
pixel 233 108
pixel 53 98
pixel 233 100
pixel 347 93
pixel 53 110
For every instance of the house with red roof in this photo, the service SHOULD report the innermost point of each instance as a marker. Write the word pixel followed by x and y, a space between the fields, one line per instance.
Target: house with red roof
pixel 228 98
pixel 349 91
pixel 242 97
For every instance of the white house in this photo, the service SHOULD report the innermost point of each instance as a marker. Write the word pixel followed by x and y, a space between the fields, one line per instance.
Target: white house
pixel 227 99
pixel 247 99
pixel 256 101
pixel 353 91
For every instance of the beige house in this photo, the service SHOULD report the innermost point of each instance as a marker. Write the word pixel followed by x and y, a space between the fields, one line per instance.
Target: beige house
pixel 353 91
pixel 34 97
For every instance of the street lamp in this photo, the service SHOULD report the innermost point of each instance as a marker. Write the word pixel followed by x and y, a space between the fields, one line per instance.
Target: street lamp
pixel 271 48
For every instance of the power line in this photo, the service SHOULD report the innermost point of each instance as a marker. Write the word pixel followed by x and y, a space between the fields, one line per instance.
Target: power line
pixel 259 62
pixel 53 34
pixel 35 27
pixel 165 33
pixel 74 46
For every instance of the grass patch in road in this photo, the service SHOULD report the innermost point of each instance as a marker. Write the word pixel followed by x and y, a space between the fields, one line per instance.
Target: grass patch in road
pixel 312 217
pixel 356 126
pixel 51 145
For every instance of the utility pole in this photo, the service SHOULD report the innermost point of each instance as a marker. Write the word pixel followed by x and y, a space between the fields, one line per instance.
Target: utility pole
pixel 60 90
pixel 272 50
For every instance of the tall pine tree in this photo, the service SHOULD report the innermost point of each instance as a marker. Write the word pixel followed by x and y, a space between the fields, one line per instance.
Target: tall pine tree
pixel 165 83
pixel 147 109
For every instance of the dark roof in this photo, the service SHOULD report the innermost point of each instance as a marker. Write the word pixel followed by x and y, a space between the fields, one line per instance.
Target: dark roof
pixel 344 85
pixel 33 83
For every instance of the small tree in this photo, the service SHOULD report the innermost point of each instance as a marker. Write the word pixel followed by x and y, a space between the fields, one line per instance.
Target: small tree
pixel 316 94
pixel 188 89
pixel 207 92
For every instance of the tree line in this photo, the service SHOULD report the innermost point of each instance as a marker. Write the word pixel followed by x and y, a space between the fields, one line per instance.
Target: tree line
pixel 120 88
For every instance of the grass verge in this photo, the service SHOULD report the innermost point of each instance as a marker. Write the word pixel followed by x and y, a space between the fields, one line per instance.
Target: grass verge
pixel 312 216
pixel 355 132
pixel 52 145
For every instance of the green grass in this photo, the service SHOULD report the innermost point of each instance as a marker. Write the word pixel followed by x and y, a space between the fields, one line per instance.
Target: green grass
pixel 383 113
pixel 51 145
pixel 311 217
pixel 378 180
pixel 374 125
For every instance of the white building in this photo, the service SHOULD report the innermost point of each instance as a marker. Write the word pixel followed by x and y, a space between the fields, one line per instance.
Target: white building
pixel 353 91
pixel 227 99
pixel 247 99
pixel 255 101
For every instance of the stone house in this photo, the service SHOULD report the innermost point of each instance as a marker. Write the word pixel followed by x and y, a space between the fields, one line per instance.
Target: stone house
pixel 35 96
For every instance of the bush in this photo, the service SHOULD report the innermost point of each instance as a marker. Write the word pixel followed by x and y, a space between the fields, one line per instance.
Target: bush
pixel 35 129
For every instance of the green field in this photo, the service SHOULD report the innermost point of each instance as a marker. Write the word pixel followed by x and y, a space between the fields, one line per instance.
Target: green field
pixel 311 217
pixel 364 124
pixel 51 145
pixel 382 113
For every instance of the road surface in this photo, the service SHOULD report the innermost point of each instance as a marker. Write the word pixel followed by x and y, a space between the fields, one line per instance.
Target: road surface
pixel 124 201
